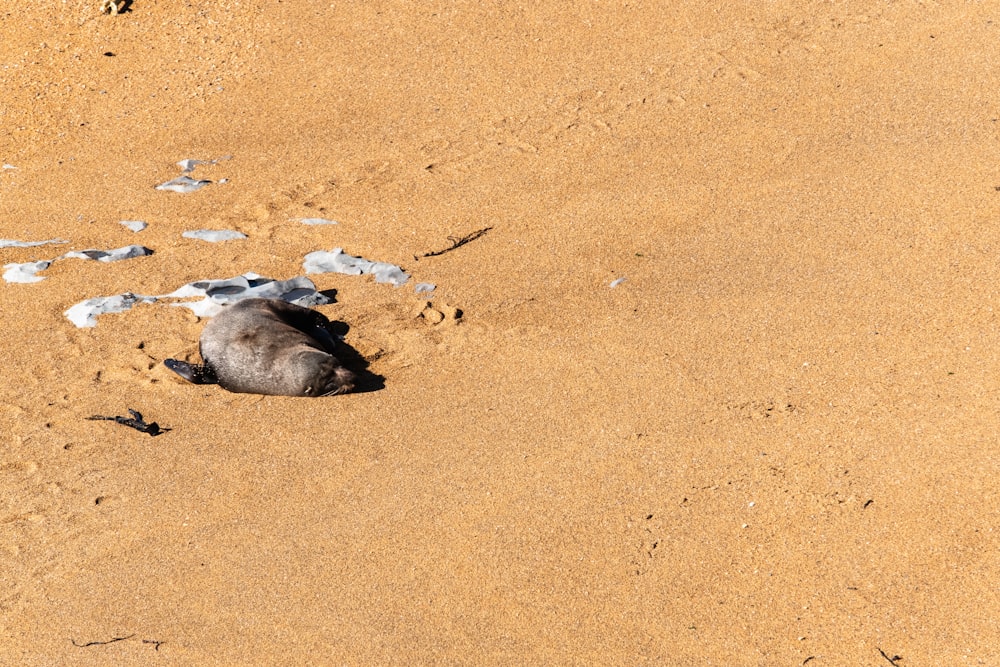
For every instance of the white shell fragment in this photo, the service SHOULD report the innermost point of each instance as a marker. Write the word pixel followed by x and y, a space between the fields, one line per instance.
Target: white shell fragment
pixel 214 295
pixel 615 283
pixel 317 221
pixel 213 235
pixel 134 225
pixel 10 243
pixel 337 261
pixel 25 273
pixel 182 184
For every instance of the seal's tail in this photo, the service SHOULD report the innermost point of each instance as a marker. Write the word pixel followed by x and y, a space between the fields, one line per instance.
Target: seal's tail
pixel 196 373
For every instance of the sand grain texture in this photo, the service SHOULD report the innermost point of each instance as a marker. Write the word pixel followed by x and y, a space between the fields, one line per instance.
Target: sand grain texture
pixel 773 444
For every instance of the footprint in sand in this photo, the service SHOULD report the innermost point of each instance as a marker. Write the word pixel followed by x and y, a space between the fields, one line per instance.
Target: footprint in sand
pixel 19 467
pixel 441 314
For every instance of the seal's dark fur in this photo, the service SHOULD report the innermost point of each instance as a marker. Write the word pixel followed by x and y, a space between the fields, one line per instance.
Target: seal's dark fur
pixel 268 346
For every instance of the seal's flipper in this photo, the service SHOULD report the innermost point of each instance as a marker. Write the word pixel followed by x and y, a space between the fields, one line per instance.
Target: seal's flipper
pixel 198 374
pixel 323 336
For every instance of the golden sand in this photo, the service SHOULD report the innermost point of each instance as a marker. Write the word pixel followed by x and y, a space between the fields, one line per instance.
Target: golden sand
pixel 775 443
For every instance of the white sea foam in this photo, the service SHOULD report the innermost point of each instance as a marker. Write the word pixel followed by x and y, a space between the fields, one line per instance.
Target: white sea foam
pixel 214 294
pixel 188 165
pixel 11 243
pixel 214 235
pixel 337 261
pixel 25 272
pixel 127 252
pixel 182 184
pixel 84 314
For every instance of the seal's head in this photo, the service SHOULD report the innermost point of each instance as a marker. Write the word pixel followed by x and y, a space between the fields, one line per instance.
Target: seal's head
pixel 328 378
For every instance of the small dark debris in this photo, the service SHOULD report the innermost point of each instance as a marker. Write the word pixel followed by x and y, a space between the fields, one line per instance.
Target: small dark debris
pixel 648 517
pixel 812 657
pixel 109 54
pixel 867 503
pixel 893 660
pixel 156 644
pixel 136 422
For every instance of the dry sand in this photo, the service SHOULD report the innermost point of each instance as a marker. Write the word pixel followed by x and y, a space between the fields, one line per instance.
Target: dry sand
pixel 774 444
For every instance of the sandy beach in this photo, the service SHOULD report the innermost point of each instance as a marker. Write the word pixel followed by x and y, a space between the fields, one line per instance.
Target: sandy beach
pixel 718 386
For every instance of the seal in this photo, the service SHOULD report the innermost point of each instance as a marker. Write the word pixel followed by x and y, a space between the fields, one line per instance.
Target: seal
pixel 268 346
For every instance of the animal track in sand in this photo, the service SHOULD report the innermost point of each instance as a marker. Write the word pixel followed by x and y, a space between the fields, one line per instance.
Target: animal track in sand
pixel 317 197
pixel 650 529
pixel 399 335
pixel 762 409
pixel 310 196
pixel 443 314
pixel 20 467
pixel 138 369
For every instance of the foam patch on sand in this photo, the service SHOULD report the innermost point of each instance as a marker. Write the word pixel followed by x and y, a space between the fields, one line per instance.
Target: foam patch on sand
pixel 11 243
pixel 84 314
pixel 26 272
pixel 214 235
pixel 211 296
pixel 188 165
pixel 126 252
pixel 134 225
pixel 337 261
pixel 182 184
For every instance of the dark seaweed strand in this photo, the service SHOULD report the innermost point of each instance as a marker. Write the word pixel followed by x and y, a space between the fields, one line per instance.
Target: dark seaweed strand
pixel 455 243
pixel 136 422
